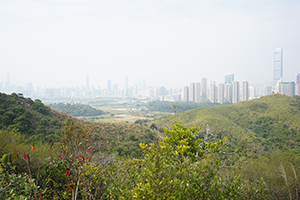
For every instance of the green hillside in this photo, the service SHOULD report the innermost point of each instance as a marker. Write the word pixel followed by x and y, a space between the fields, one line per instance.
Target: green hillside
pixel 38 122
pixel 76 109
pixel 268 122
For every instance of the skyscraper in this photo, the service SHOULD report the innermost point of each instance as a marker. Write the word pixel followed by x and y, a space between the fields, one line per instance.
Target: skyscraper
pixel 7 85
pixel 126 82
pixel 192 92
pixel 277 65
pixel 251 92
pixel 185 93
pixel 235 91
pixel 87 83
pixel 287 88
pixel 229 78
pixel 204 88
pixel 245 90
pixel 144 84
pixel 197 91
pixel 212 91
pixel 221 92
pixel 228 92
pixel 267 90
pixel 109 85
pixel 298 85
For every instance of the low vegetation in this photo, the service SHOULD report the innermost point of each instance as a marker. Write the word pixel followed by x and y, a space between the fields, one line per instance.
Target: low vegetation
pixel 77 109
pixel 255 126
pixel 190 155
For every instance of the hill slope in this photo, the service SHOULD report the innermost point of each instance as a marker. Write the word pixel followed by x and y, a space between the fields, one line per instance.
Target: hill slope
pixel 39 122
pixel 77 109
pixel 270 121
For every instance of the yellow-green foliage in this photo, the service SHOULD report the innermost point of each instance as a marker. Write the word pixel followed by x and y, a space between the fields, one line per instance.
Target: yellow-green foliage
pixel 179 168
pixel 279 170
pixel 268 121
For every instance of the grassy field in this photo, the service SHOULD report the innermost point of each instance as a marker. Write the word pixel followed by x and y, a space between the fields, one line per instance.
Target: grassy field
pixel 125 113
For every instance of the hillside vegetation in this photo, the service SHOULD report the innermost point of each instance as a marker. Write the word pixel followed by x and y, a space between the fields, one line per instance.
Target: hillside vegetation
pixel 39 122
pixel 257 125
pixel 77 109
pixel 88 160
pixel 181 106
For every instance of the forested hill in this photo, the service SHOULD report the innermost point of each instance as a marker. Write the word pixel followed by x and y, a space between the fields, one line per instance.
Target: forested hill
pixel 28 117
pixel 77 109
pixel 179 106
pixel 268 122
pixel 39 122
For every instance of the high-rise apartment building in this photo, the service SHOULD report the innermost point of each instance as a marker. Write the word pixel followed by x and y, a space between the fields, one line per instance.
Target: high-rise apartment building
pixel 212 91
pixel 287 88
pixel 229 78
pixel 204 88
pixel 109 85
pixel 197 91
pixel 251 92
pixel 221 93
pixel 186 93
pixel 87 84
pixel 227 93
pixel 126 82
pixel 245 90
pixel 235 91
pixel 192 94
pixel 267 90
pixel 144 84
pixel 298 85
pixel 278 65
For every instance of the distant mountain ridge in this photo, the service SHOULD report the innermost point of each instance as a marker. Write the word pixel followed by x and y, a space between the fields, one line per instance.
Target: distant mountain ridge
pixel 266 122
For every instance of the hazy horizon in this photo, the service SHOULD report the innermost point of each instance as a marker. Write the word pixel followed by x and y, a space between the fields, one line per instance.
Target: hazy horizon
pixel 169 43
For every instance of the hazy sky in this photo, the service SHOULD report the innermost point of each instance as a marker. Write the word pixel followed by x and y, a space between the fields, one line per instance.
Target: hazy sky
pixel 167 42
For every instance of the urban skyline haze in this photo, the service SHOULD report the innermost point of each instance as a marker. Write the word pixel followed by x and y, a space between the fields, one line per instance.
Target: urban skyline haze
pixel 167 43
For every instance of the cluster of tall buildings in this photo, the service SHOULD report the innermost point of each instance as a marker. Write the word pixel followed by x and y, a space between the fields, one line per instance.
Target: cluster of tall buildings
pixel 221 93
pixel 230 90
pixel 280 86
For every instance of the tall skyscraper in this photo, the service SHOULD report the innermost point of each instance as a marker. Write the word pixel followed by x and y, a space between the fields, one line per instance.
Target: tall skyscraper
pixel 109 85
pixel 245 90
pixel 126 82
pixel 229 78
pixel 192 94
pixel 7 85
pixel 298 85
pixel 227 93
pixel 267 90
pixel 251 92
pixel 186 93
pixel 277 65
pixel 204 88
pixel 235 91
pixel 87 83
pixel 197 91
pixel 287 88
pixel 212 91
pixel 221 92
pixel 144 84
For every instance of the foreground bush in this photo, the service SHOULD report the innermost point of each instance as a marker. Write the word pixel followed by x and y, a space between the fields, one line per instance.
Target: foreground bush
pixel 178 167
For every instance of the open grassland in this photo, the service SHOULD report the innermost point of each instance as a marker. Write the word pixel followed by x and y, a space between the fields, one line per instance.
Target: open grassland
pixel 270 121
pixel 128 113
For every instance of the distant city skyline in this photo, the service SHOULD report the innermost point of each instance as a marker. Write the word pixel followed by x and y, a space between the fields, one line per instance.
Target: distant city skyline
pixel 169 43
